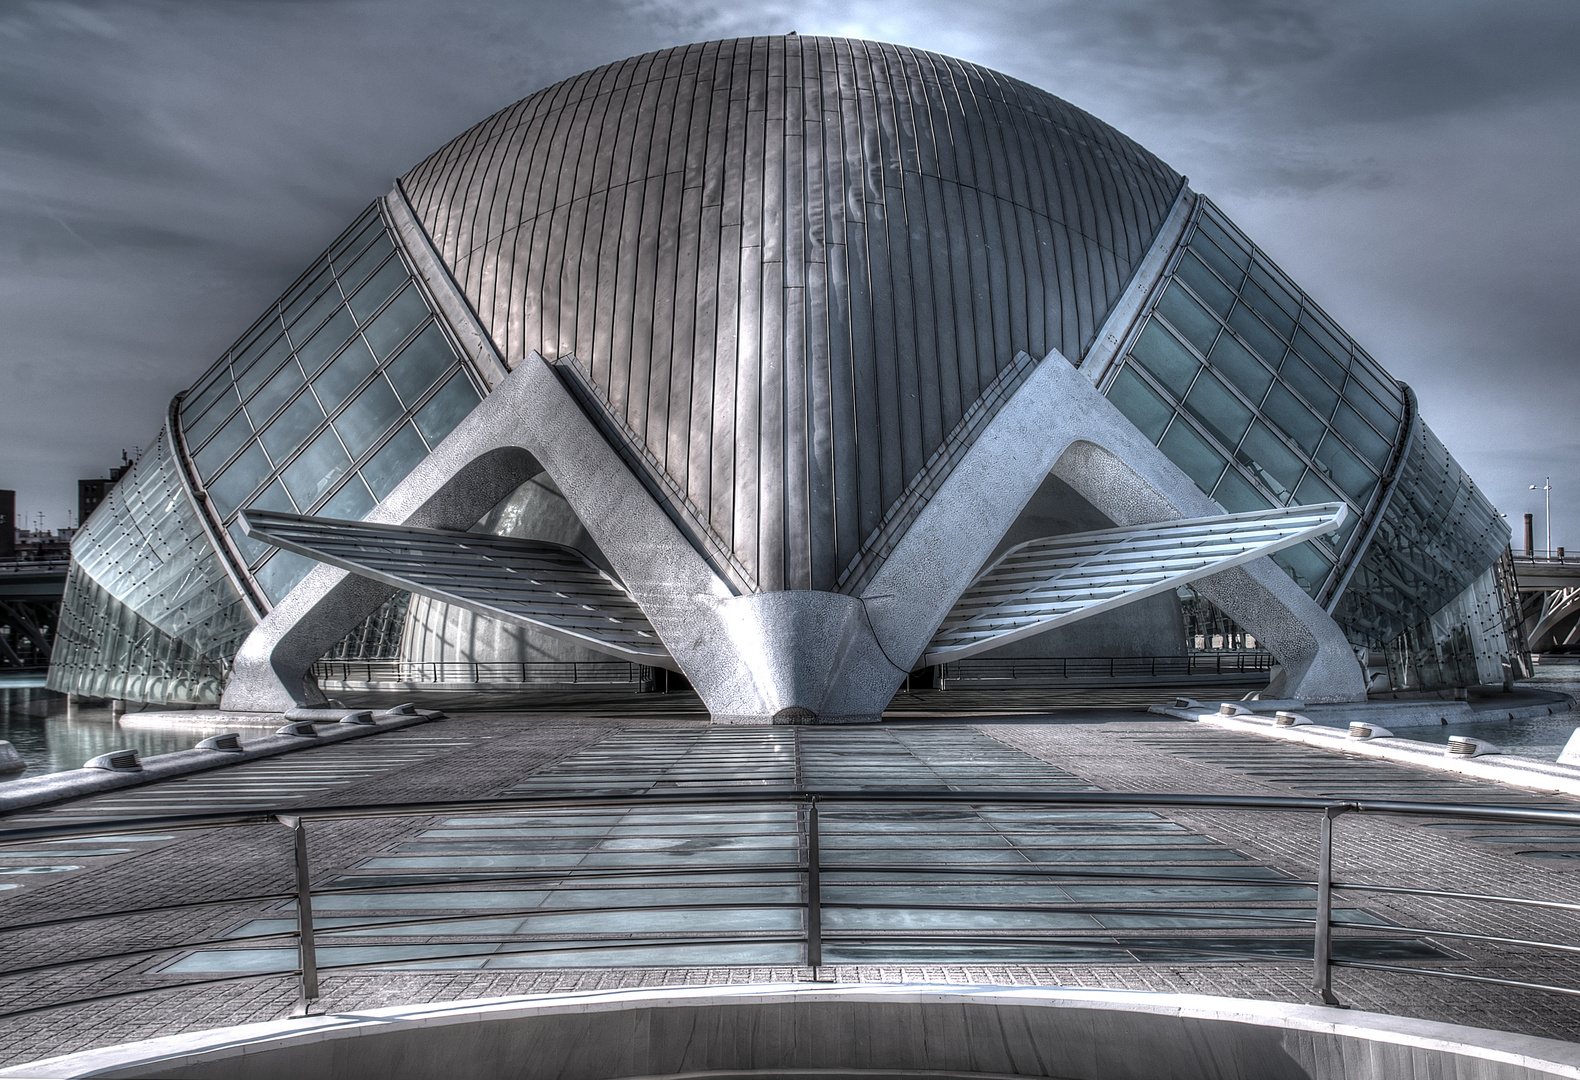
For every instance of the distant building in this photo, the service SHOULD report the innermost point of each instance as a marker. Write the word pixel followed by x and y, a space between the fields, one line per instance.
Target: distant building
pixel 796 365
pixel 7 524
pixel 90 493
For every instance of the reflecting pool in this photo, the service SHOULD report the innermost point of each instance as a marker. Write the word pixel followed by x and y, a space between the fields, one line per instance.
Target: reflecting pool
pixel 1541 737
pixel 34 720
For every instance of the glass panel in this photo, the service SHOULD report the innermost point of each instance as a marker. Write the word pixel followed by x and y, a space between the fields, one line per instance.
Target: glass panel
pixel 1214 257
pixel 1161 353
pixel 368 417
pixel 297 300
pixel 280 574
pixel 1230 247
pixel 1313 489
pixel 316 469
pixel 267 401
pixel 233 485
pixel 344 374
pixel 266 366
pixel 1372 446
pixel 218 413
pixel 421 363
pixel 1214 293
pixel 1314 389
pixel 293 426
pixel 1347 470
pixel 367 229
pixel 1326 336
pixel 303 328
pixel 396 322
pixel 356 272
pixel 1189 318
pixel 1306 565
pixel 1369 407
pixel 1243 370
pixel 370 297
pixel 1220 411
pixel 1256 334
pixel 400 455
pixel 1271 313
pixel 196 401
pixel 1297 421
pixel 272 497
pixel 1237 495
pixel 218 450
pixel 1275 289
pixel 350 502
pixel 1193 455
pixel 1325 365
pixel 326 342
pixel 1383 390
pixel 446 409
pixel 251 550
pixel 1275 465
pixel 261 335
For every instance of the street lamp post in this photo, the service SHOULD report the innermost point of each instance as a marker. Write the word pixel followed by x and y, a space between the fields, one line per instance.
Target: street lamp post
pixel 1547 487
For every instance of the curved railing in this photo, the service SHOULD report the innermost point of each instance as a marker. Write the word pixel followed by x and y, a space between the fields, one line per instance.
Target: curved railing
pixel 808 869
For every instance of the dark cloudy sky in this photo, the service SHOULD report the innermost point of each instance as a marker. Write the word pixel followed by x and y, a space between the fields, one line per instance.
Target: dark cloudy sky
pixel 167 167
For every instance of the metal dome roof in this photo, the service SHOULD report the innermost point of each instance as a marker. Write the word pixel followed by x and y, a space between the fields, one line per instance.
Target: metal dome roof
pixel 789 268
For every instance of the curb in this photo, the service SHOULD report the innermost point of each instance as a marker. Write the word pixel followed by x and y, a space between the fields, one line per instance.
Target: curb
pixel 76 783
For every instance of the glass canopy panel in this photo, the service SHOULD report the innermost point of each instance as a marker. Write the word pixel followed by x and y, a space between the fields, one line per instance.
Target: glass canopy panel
pixel 1060 579
pixel 527 582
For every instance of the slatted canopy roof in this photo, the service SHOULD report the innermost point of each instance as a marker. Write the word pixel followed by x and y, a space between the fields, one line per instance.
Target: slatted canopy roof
pixel 1054 580
pixel 531 582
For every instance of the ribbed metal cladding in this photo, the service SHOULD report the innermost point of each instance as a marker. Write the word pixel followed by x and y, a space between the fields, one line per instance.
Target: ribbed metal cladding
pixel 791 265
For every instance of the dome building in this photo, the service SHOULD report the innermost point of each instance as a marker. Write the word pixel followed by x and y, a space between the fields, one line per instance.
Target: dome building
pixel 794 365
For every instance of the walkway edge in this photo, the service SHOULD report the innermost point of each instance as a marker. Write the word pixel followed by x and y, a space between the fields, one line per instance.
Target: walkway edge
pixel 77 783
pixel 1545 776
pixel 1103 1032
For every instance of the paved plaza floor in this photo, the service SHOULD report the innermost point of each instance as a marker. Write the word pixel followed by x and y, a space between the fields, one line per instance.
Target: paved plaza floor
pixel 466 904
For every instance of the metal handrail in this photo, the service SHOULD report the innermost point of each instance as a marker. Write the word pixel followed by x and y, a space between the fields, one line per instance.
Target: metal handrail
pixel 810 863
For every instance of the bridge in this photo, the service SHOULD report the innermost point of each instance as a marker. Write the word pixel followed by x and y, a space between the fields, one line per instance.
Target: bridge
pixel 30 595
pixel 1549 583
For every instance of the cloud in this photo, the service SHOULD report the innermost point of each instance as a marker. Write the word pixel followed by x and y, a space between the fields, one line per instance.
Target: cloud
pixel 168 166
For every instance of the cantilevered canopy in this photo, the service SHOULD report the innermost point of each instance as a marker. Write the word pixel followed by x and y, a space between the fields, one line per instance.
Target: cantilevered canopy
pixel 530 582
pixel 1059 579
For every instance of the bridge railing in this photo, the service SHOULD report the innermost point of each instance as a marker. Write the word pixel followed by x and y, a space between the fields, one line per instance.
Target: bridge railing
pixel 987 893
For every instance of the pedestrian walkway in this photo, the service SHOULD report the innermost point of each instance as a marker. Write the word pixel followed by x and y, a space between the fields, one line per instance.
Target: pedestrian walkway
pixel 466 904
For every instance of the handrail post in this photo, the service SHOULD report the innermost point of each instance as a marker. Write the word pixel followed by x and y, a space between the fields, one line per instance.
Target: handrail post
pixel 1322 944
pixel 814 892
pixel 306 949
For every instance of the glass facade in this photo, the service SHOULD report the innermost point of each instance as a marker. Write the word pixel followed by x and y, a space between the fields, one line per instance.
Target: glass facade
pixel 322 407
pixel 328 401
pixel 1263 401
pixel 149 612
pixel 1425 590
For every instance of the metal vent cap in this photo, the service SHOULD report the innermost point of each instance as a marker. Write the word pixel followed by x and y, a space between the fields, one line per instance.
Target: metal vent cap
pixel 116 761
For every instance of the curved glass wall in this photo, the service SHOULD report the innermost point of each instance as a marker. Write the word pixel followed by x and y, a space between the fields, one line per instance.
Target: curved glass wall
pixel 149 612
pixel 1424 591
pixel 1263 401
pixel 1256 394
pixel 328 401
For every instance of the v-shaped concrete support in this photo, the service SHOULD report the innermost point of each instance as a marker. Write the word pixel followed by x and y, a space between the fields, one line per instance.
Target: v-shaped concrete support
pixel 792 656
pixel 785 656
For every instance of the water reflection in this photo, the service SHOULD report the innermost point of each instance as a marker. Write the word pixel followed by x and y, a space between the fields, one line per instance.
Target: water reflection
pixel 34 721
pixel 1541 737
